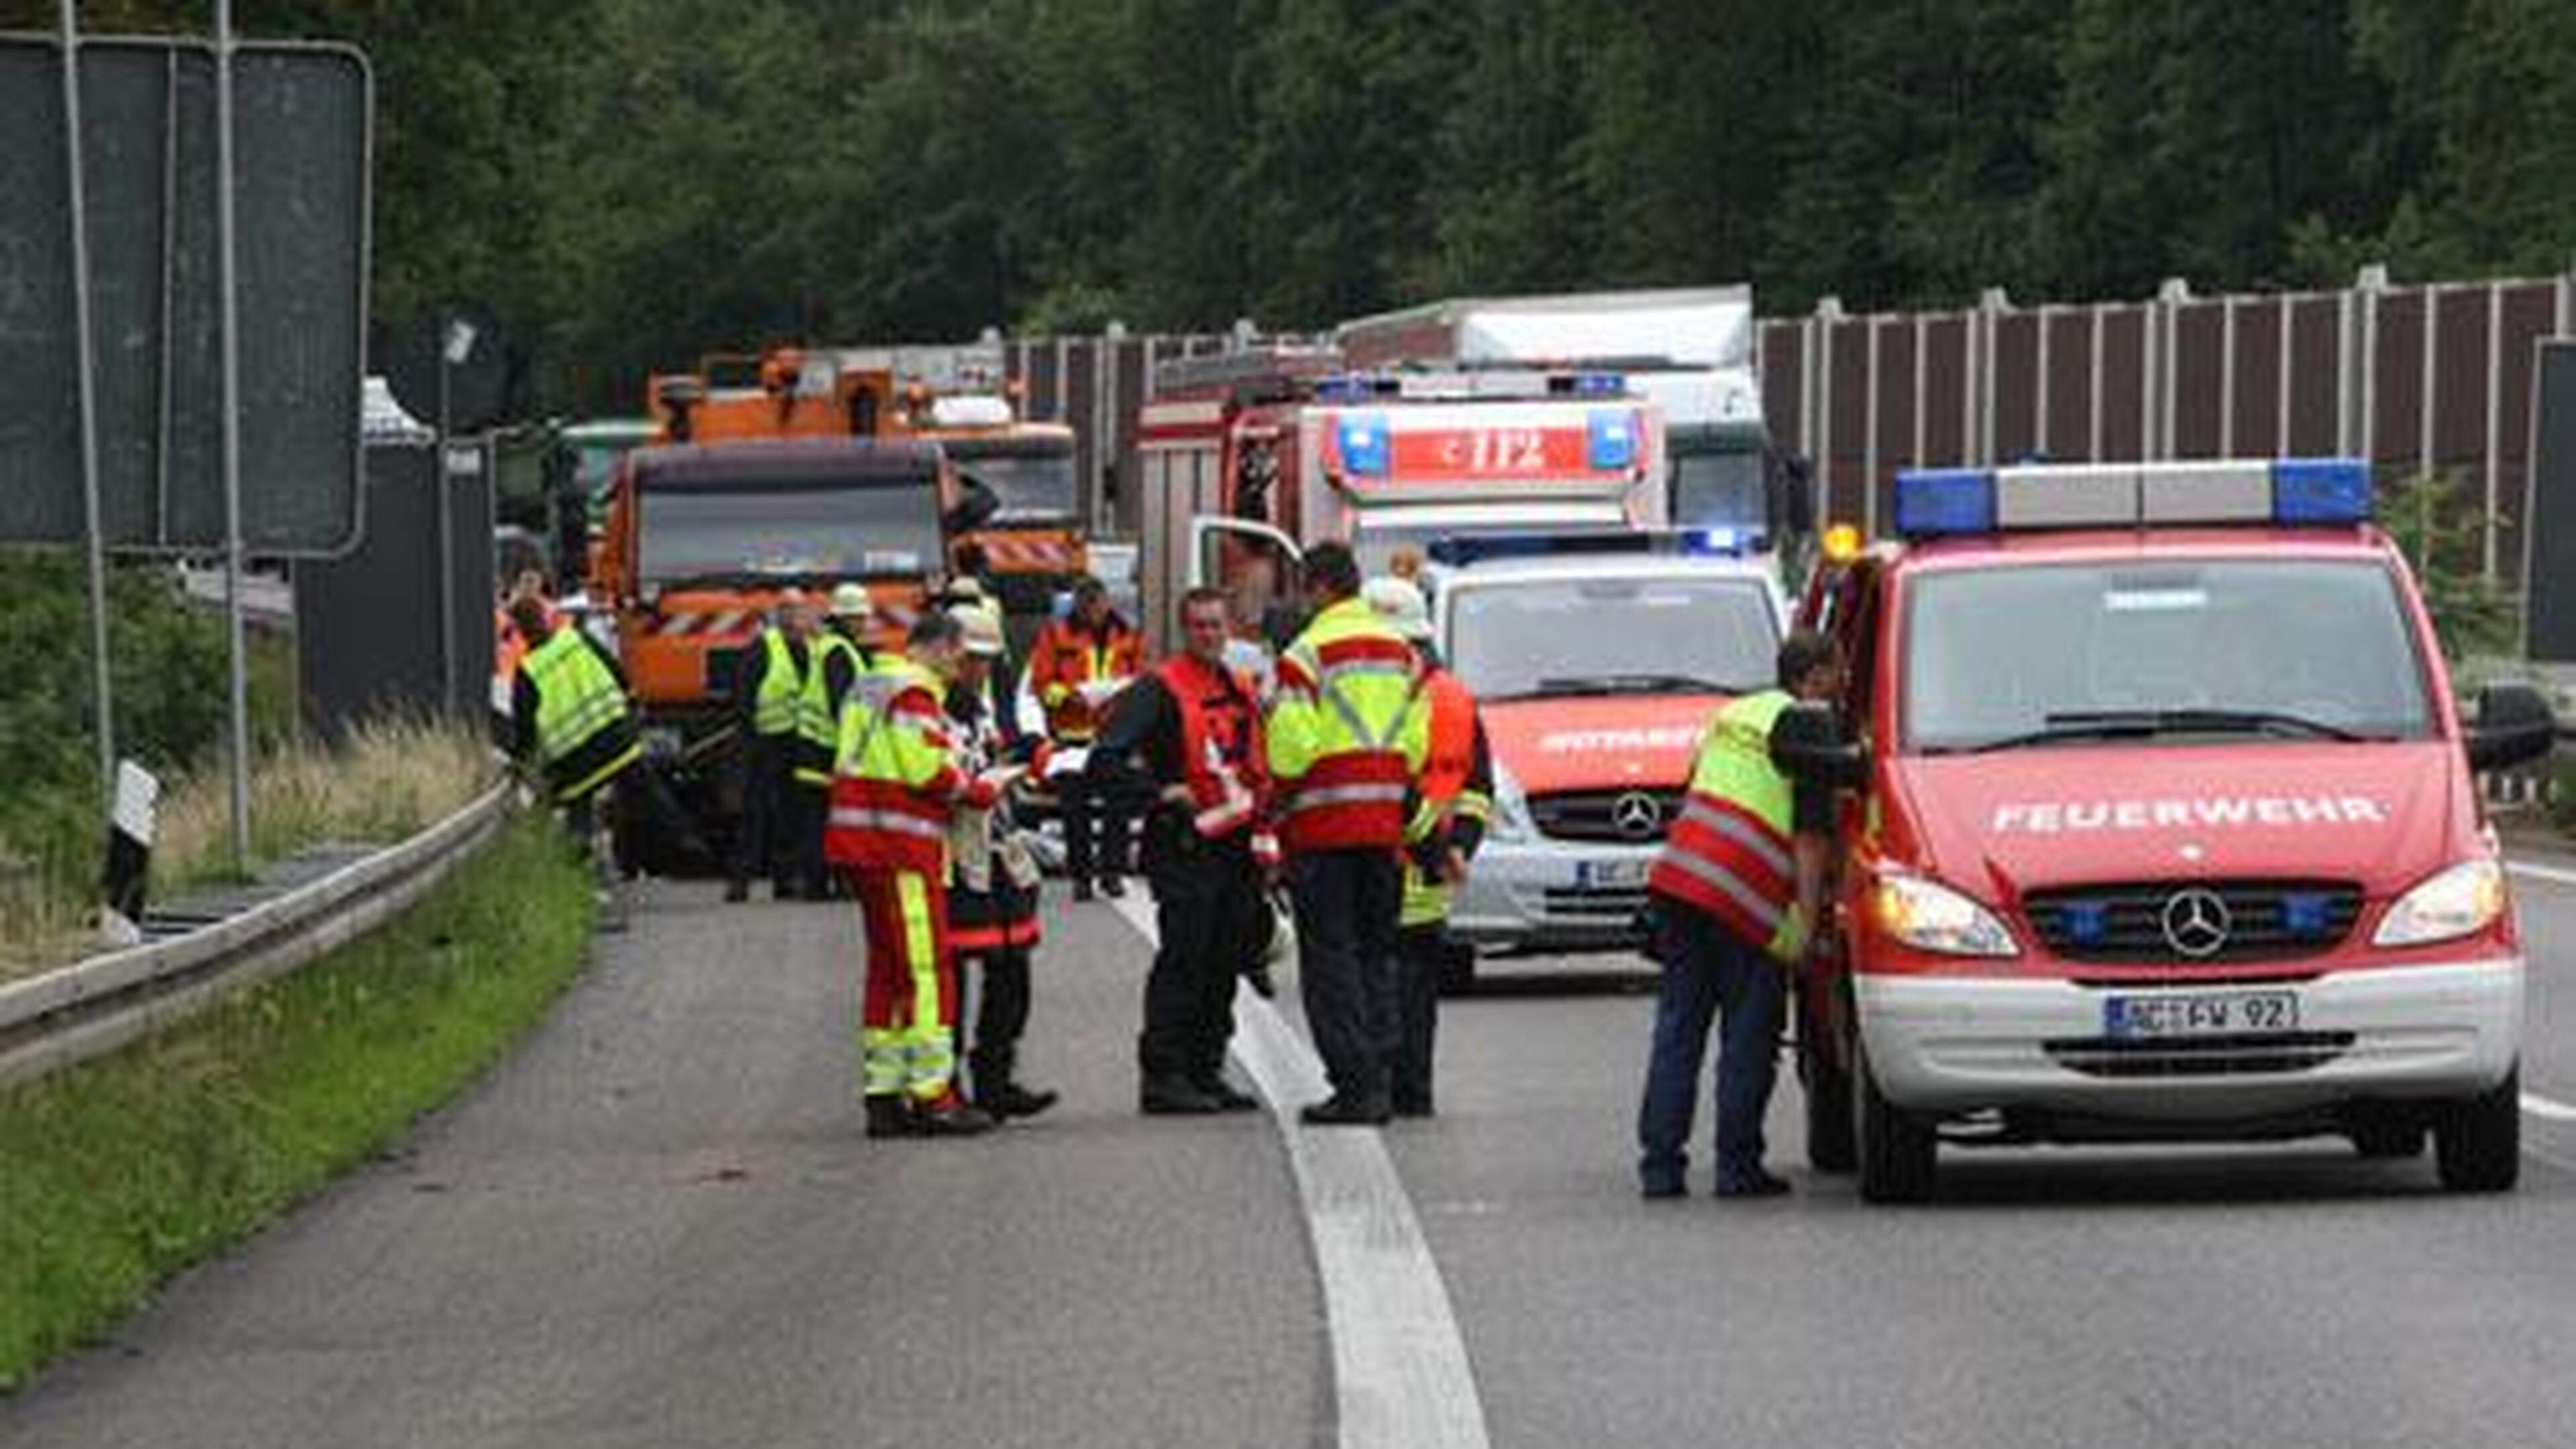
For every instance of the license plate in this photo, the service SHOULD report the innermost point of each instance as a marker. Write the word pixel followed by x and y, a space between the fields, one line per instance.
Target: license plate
pixel 1612 875
pixel 2199 1013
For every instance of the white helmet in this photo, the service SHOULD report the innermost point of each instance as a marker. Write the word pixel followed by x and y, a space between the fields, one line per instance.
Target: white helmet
pixel 1400 604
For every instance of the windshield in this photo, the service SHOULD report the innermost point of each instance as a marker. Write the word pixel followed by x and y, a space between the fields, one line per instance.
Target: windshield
pixel 1604 636
pixel 1028 485
pixel 790 530
pixel 1998 657
pixel 1719 490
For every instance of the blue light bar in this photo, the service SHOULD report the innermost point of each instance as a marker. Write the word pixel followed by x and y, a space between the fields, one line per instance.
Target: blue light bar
pixel 1612 443
pixel 1600 384
pixel 1458 550
pixel 2320 490
pixel 1932 501
pixel 1365 451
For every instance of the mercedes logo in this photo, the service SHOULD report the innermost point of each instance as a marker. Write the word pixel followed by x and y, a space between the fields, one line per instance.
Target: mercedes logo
pixel 2197 923
pixel 1637 816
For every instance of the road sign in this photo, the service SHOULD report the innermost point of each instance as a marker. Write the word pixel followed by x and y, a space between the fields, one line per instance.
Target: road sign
pixel 2549 531
pixel 148 142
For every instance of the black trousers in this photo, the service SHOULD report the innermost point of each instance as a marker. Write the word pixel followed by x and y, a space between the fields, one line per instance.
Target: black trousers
pixel 771 816
pixel 1347 905
pixel 1422 957
pixel 1099 826
pixel 1213 921
pixel 1001 1016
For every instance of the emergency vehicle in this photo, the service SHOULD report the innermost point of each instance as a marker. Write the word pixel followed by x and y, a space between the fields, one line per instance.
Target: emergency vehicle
pixel 703 540
pixel 1018 474
pixel 2170 831
pixel 1249 458
pixel 1688 349
pixel 1597 661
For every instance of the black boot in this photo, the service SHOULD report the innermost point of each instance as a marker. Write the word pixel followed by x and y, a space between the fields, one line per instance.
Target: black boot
pixel 889 1116
pixel 1174 1096
pixel 1010 1099
pixel 949 1116
pixel 1214 1085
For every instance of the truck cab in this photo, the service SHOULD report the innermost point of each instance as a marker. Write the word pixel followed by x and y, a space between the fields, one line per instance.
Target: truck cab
pixel 2170 831
pixel 1597 661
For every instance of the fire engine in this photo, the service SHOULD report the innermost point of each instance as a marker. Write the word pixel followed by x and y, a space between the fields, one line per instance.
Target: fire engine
pixel 1690 350
pixel 2169 831
pixel 1249 458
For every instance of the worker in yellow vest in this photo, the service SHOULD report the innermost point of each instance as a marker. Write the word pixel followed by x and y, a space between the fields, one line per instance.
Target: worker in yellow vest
pixel 777 721
pixel 1347 735
pixel 1740 879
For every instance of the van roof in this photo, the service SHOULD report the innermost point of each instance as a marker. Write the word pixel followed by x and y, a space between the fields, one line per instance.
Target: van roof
pixel 2096 545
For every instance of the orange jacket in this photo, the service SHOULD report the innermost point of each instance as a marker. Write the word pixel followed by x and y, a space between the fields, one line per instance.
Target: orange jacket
pixel 1068 656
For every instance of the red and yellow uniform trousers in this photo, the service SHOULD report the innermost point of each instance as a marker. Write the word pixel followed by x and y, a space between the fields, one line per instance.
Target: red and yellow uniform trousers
pixel 895 784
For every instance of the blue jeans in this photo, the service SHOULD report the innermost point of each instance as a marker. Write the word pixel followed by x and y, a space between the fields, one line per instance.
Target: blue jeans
pixel 1708 971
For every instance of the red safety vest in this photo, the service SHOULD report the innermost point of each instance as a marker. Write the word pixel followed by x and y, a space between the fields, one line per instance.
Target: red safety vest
pixel 1221 746
pixel 1730 852
pixel 1453 736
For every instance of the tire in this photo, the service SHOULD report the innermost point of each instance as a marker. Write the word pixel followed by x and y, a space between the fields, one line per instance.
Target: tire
pixel 1899 1151
pixel 2389 1139
pixel 2477 1144
pixel 1830 1147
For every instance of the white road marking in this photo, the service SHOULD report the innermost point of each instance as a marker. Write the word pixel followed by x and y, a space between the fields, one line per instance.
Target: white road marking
pixel 1401 1379
pixel 2540 1106
pixel 2555 875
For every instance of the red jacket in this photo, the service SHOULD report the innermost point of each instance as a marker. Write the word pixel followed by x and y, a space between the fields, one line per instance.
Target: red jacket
pixel 1069 655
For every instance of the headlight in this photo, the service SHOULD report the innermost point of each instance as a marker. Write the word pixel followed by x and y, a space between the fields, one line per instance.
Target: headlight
pixel 1511 809
pixel 1930 917
pixel 2460 901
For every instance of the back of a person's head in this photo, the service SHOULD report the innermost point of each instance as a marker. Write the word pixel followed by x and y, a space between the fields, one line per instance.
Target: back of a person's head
pixel 1804 651
pixel 1333 568
pixel 934 628
pixel 528 616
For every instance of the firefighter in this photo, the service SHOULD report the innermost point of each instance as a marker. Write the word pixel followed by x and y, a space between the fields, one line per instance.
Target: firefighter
pixel 1193 727
pixel 1347 736
pixel 1079 663
pixel 569 714
pixel 1455 799
pixel 840 657
pixel 1741 875
pixel 774 719
pixel 992 877
pixel 895 788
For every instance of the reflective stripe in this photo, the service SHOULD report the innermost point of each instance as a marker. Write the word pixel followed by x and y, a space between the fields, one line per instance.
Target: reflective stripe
pixel 1331 795
pixel 851 817
pixel 883 1057
pixel 1718 877
pixel 1763 848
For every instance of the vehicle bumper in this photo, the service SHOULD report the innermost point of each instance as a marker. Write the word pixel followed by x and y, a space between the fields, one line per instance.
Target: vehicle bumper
pixel 1548 895
pixel 2408 1033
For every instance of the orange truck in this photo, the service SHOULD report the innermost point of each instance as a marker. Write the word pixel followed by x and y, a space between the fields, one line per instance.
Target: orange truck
pixel 705 537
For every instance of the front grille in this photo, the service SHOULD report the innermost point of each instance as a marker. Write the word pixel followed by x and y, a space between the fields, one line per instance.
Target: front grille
pixel 1604 905
pixel 2252 1054
pixel 2265 920
pixel 1597 815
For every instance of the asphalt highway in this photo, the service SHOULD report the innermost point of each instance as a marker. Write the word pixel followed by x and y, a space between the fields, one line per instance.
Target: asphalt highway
pixel 658 1224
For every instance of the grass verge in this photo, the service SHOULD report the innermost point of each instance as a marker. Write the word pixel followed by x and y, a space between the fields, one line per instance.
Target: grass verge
pixel 124 1170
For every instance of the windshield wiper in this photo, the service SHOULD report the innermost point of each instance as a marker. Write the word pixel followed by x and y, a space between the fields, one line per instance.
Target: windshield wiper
pixel 2111 724
pixel 1641 683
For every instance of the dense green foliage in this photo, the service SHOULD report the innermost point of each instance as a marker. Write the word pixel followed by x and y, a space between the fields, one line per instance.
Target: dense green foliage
pixel 126 1169
pixel 630 182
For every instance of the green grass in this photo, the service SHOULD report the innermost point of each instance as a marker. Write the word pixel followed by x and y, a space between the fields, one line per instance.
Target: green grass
pixel 124 1170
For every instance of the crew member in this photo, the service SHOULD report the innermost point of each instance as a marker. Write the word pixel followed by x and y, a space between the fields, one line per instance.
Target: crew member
pixel 569 715
pixel 1079 663
pixel 1741 876
pixel 895 786
pixel 1455 799
pixel 1347 736
pixel 1193 727
pixel 773 718
pixel 840 656
pixel 992 877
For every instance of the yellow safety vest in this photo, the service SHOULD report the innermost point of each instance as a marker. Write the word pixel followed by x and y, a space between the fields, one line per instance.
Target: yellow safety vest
pixel 585 733
pixel 1730 851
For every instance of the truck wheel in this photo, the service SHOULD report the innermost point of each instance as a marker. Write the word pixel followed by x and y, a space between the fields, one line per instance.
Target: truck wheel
pixel 1898 1151
pixel 2477 1144
pixel 1829 1110
pixel 2388 1138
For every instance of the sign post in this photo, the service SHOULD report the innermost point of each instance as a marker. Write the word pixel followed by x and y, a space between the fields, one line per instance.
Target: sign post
pixel 94 537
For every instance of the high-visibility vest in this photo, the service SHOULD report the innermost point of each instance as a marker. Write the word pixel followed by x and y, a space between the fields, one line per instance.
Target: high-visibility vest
pixel 1729 851
pixel 818 726
pixel 894 773
pixel 1221 748
pixel 1446 793
pixel 1069 656
pixel 1347 732
pixel 774 708
pixel 585 733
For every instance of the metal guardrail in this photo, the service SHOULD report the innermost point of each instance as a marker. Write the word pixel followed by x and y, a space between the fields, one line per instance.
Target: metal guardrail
pixel 94 1006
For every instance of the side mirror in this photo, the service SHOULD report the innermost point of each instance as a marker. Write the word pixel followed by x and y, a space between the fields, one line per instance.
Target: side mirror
pixel 1819 748
pixel 1792 485
pixel 2515 724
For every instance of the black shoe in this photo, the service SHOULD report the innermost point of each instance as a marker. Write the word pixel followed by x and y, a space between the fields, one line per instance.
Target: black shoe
pixel 1225 1095
pixel 1113 887
pixel 1413 1109
pixel 1013 1100
pixel 1081 889
pixel 1655 1189
pixel 737 892
pixel 1761 1184
pixel 949 1116
pixel 1343 1112
pixel 1174 1097
pixel 889 1116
